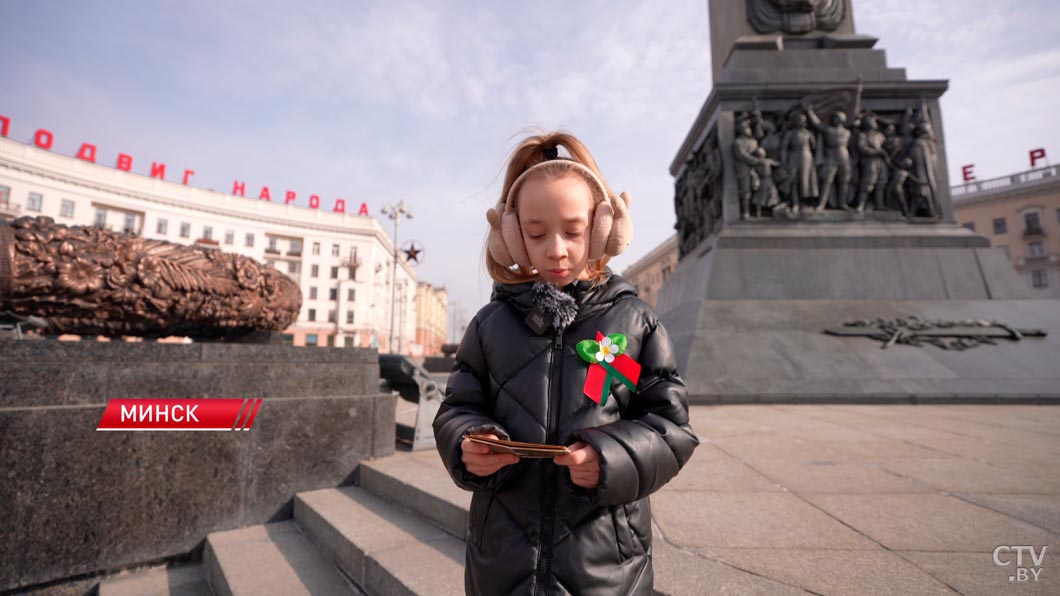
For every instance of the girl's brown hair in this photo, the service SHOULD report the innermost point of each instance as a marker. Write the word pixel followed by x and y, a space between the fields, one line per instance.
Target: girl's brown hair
pixel 530 153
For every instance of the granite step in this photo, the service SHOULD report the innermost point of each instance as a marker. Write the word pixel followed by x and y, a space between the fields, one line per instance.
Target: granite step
pixel 417 481
pixel 385 548
pixel 271 559
pixel 174 580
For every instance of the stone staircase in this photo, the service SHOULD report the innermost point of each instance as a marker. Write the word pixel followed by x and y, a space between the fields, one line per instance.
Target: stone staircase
pixel 399 531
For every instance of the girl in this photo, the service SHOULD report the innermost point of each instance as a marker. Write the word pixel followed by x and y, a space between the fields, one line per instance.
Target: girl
pixel 566 354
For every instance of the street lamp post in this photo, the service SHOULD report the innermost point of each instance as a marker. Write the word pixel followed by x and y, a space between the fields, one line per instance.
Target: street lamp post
pixel 394 212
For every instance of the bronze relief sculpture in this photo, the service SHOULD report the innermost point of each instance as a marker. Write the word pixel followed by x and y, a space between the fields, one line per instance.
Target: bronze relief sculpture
pixel 91 281
pixel 794 16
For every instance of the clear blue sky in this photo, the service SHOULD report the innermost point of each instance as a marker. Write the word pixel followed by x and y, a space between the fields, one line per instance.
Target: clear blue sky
pixel 421 101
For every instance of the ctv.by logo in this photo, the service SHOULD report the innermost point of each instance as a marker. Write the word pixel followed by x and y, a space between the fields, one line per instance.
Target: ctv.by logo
pixel 1022 574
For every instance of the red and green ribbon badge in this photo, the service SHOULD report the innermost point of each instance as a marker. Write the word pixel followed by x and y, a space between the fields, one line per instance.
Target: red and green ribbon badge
pixel 607 363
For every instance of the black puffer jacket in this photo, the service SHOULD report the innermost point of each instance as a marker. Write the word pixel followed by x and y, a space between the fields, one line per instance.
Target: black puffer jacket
pixel 531 529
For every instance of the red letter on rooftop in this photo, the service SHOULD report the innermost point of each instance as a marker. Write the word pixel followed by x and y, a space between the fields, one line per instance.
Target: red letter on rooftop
pixel 87 152
pixel 1037 154
pixel 43 139
pixel 158 170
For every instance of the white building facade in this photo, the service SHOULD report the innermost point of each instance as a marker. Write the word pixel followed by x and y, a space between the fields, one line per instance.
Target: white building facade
pixel 343 262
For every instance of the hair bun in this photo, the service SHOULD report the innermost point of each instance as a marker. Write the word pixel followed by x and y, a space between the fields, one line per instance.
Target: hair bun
pixel 550 153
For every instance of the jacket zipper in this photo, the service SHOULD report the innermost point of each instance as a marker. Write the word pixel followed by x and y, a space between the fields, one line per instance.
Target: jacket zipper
pixel 548 473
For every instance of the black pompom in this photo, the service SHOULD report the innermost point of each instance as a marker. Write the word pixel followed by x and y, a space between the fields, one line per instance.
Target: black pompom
pixel 558 307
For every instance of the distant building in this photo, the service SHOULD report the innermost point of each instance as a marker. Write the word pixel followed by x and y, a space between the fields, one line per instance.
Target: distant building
pixel 431 318
pixel 651 270
pixel 1020 214
pixel 342 261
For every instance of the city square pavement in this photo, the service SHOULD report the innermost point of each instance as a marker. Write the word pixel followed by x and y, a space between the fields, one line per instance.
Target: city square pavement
pixel 857 500
pixel 862 499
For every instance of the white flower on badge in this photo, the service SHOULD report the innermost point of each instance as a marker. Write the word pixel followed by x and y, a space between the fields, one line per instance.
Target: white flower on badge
pixel 607 351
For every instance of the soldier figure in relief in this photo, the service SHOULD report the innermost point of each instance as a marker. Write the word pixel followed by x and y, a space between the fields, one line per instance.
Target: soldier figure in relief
pixel 835 161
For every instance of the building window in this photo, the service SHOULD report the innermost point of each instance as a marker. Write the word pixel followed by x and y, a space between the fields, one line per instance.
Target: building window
pixel 1039 279
pixel 332 316
pixel 230 237
pixel 312 314
pixel 34 202
pixel 334 273
pixel 349 341
pixel 351 294
pixel 1000 225
pixel 185 229
pixel 67 209
pixel 249 239
pixel 970 225
pixel 334 250
pixel 5 198
pixel 288 339
pixel 1036 249
pixel 162 226
pixel 272 243
pixel 333 294
pixel 331 341
pixel 314 271
pixel 311 339
pixel 349 317
pixel 316 248
pixel 207 232
pixel 296 247
pixel 1032 221
pixel 130 223
pixel 101 217
pixel 312 293
pixel 292 266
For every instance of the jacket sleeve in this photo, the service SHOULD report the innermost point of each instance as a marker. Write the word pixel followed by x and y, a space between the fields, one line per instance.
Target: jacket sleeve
pixel 646 449
pixel 467 407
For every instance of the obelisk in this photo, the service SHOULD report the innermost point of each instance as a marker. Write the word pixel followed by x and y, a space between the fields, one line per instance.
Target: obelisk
pixel 812 190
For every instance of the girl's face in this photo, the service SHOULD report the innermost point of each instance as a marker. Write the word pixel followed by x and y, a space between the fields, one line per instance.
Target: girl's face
pixel 554 214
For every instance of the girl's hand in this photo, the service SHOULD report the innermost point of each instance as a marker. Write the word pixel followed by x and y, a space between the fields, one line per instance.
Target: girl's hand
pixel 480 461
pixel 584 464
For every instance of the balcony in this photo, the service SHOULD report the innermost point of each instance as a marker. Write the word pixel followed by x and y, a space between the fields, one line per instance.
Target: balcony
pixel 9 210
pixel 207 243
pixel 272 251
pixel 1033 232
pixel 294 253
pixel 1037 261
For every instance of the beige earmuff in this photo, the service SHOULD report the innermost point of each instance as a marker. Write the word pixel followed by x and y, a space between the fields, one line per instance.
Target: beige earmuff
pixel 611 230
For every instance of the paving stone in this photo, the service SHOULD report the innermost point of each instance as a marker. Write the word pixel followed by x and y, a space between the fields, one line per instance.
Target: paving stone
pixel 974 574
pixel 1040 510
pixel 930 522
pixel 772 446
pixel 838 572
pixel 837 477
pixel 683 573
pixel 959 474
pixel 749 520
